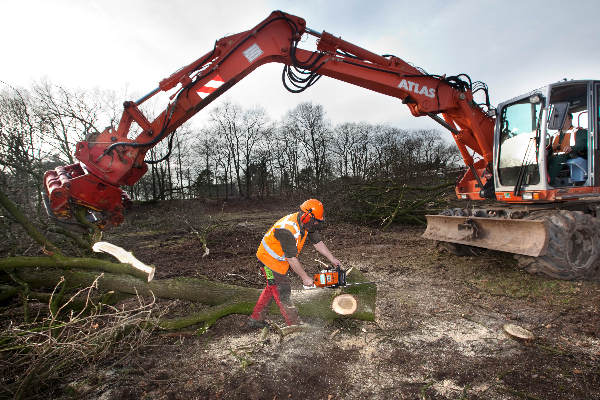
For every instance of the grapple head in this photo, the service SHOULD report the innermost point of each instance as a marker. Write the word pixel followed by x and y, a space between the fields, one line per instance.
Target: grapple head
pixel 67 186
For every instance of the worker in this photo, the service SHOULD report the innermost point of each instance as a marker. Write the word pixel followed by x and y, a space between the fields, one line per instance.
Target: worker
pixel 569 142
pixel 279 250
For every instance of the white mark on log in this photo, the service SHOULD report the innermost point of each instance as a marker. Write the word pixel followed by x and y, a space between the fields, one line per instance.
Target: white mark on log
pixel 124 256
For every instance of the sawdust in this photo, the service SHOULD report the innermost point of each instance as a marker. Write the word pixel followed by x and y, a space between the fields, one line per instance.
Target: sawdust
pixel 469 338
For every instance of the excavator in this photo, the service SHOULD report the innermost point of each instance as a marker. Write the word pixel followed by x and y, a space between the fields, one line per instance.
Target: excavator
pixel 549 221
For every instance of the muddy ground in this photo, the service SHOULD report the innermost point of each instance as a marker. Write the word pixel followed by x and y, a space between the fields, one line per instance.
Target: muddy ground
pixel 437 333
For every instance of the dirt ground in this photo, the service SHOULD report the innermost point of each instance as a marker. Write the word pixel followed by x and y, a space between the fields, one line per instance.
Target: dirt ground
pixel 438 332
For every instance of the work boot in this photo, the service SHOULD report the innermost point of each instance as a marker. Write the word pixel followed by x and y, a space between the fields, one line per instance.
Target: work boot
pixel 255 323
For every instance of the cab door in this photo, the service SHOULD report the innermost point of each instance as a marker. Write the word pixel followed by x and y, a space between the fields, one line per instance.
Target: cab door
pixel 594 125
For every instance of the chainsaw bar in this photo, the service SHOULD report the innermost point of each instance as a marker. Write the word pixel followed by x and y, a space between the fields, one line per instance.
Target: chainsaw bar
pixel 338 286
pixel 358 283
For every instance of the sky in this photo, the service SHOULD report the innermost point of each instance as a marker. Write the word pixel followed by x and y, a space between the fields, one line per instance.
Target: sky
pixel 128 46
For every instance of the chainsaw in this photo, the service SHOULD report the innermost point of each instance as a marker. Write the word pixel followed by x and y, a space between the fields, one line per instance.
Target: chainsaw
pixel 332 277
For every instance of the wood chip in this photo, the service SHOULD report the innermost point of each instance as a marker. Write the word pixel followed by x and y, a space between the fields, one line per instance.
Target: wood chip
pixel 518 332
pixel 287 330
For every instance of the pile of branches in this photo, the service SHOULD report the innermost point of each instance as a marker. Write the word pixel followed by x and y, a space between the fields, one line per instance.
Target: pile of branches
pixel 382 203
pixel 71 335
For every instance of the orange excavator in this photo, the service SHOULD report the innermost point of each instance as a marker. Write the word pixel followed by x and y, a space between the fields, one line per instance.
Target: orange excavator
pixel 538 204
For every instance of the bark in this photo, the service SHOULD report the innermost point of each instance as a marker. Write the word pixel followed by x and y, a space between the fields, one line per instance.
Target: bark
pixel 11 263
pixel 6 292
pixel 226 299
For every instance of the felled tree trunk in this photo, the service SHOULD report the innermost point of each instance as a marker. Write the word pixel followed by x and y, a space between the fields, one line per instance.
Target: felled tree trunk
pixel 225 299
pixel 133 278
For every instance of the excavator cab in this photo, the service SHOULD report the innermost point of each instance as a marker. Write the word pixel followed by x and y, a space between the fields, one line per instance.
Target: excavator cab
pixel 542 142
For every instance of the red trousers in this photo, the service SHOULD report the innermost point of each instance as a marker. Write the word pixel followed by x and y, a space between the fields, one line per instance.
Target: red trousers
pixel 278 288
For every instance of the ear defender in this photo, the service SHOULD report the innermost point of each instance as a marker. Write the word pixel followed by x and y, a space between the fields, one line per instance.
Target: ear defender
pixel 306 217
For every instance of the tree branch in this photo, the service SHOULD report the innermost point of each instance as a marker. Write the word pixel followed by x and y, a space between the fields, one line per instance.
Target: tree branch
pixel 28 226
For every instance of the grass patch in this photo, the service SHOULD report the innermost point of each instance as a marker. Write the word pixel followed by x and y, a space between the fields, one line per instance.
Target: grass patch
pixel 521 286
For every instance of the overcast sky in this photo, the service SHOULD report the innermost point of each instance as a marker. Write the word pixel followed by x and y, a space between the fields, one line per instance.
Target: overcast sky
pixel 129 46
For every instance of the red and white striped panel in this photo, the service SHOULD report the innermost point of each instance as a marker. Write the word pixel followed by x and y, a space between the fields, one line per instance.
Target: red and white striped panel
pixel 210 86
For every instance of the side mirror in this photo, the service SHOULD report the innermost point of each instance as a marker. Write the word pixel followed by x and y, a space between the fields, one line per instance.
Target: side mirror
pixel 558 113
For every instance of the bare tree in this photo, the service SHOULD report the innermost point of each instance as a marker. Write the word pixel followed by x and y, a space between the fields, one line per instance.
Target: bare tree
pixel 183 158
pixel 361 151
pixel 21 149
pixel 341 145
pixel 227 122
pixel 21 158
pixel 351 142
pixel 286 154
pixel 308 120
pixel 69 115
pixel 242 131
pixel 256 126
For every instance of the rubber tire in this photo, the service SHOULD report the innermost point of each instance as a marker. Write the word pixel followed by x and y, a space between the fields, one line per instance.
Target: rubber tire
pixel 573 247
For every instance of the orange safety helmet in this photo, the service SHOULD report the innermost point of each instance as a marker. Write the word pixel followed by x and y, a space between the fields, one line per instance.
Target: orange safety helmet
pixel 312 208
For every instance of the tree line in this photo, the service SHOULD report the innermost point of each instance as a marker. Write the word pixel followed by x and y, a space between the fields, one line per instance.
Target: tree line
pixel 244 153
pixel 239 153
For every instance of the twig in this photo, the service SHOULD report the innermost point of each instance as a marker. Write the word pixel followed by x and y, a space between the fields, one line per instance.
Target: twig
pixel 37 359
pixel 202 237
pixel 240 276
pixel 52 303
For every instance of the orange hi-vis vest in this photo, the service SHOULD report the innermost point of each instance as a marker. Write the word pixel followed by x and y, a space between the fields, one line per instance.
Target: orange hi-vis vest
pixel 270 252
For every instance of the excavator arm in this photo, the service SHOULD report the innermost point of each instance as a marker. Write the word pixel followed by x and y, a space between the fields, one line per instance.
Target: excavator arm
pixel 110 159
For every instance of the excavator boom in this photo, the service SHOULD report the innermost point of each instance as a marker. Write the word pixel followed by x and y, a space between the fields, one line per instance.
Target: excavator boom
pixel 110 159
